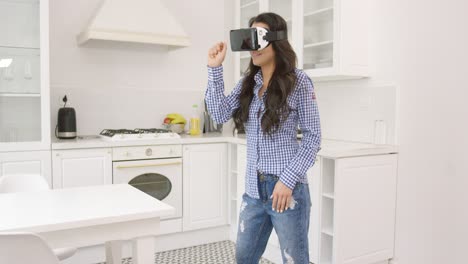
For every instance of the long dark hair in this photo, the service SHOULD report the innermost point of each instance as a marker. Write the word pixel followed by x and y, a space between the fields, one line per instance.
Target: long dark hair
pixel 280 86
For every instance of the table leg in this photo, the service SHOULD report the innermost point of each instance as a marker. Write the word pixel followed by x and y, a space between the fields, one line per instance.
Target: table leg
pixel 114 252
pixel 143 250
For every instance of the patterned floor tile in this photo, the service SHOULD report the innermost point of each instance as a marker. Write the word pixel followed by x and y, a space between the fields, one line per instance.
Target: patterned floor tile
pixel 214 253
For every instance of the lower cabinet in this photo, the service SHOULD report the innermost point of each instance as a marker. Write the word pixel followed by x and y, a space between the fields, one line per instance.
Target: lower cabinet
pixel 237 190
pixel 353 207
pixel 352 217
pixel 313 177
pixel 34 162
pixel 81 167
pixel 204 186
pixel 358 209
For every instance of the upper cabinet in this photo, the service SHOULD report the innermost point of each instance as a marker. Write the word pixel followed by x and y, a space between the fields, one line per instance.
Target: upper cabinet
pixel 24 75
pixel 247 9
pixel 330 37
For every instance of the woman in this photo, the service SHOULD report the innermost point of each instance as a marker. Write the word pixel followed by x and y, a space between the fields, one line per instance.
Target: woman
pixel 269 103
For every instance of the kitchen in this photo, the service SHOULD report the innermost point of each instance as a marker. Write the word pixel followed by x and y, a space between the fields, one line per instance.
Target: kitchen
pixel 106 82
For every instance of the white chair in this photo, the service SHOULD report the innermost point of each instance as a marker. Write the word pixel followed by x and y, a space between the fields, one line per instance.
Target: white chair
pixel 24 183
pixel 25 248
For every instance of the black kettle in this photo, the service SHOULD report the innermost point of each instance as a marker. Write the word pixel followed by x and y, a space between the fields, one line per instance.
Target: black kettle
pixel 66 122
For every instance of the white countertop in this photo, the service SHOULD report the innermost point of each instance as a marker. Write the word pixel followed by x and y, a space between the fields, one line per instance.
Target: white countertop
pixel 330 148
pixel 50 210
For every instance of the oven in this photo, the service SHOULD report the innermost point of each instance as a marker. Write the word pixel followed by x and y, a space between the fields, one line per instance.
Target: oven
pixel 155 170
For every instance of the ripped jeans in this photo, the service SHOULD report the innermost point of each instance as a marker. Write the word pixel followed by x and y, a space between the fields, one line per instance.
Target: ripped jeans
pixel 257 219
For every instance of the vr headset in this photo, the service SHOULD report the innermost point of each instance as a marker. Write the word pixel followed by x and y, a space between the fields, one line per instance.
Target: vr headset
pixel 249 39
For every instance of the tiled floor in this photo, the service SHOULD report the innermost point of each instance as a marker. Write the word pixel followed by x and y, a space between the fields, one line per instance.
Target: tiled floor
pixel 214 253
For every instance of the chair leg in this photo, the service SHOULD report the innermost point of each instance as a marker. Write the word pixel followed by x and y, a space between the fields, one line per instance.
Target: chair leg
pixel 114 252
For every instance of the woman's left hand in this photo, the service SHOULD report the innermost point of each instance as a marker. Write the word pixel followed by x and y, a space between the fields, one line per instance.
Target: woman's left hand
pixel 281 197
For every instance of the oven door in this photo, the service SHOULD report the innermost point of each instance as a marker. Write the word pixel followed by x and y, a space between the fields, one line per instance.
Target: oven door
pixel 160 178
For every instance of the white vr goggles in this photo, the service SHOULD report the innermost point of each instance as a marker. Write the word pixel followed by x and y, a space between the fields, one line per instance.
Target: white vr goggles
pixel 258 38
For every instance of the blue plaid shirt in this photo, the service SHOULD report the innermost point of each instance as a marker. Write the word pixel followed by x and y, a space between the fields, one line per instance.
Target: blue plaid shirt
pixel 281 154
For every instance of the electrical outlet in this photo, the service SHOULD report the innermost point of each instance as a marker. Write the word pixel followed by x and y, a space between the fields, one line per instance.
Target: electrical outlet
pixel 60 100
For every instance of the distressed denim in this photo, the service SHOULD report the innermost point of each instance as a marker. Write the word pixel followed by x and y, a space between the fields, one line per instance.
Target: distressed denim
pixel 257 219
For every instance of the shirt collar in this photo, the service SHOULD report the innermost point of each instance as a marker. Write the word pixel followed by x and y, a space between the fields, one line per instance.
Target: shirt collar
pixel 259 83
pixel 258 77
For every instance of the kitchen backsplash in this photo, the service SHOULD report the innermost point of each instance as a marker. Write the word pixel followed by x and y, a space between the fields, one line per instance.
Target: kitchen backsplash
pixel 128 108
pixel 122 85
pixel 362 113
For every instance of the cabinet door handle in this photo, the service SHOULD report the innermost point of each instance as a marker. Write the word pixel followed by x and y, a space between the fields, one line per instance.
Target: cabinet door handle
pixel 148 165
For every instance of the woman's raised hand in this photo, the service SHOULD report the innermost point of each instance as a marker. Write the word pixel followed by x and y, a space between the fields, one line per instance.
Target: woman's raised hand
pixel 216 54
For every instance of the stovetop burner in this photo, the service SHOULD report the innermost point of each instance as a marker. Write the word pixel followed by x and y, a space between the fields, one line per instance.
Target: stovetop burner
pixel 151 130
pixel 137 133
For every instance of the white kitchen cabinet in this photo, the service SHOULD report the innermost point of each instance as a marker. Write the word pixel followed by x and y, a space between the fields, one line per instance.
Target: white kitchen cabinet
pixel 330 37
pixel 314 177
pixel 238 160
pixel 246 10
pixel 204 186
pixel 335 39
pixel 24 76
pixel 34 162
pixel 358 202
pixel 81 167
pixel 353 207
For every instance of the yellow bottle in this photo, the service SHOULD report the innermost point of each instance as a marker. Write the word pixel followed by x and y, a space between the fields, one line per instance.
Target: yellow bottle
pixel 194 122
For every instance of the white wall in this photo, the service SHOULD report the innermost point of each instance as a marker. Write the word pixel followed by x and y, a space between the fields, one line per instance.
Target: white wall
pixel 421 47
pixel 119 85
pixel 431 63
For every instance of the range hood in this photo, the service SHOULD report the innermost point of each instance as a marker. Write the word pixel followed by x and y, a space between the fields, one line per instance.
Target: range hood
pixel 141 21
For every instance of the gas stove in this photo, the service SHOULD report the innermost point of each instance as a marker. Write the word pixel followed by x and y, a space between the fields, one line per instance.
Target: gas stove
pixel 137 134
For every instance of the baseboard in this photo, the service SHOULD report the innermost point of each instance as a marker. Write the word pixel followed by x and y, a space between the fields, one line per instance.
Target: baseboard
pixel 96 254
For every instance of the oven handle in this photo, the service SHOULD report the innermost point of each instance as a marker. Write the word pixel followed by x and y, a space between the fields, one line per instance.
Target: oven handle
pixel 148 165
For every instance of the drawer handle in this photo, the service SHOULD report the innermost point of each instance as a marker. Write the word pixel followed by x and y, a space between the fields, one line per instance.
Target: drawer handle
pixel 147 165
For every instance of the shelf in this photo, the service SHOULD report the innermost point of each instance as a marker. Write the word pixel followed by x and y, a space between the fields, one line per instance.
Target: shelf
pixel 249 4
pixel 20 95
pixel 327 231
pixel 19 47
pixel 326 249
pixel 328 176
pixel 20 1
pixel 319 11
pixel 318 44
pixel 328 195
pixel 233 199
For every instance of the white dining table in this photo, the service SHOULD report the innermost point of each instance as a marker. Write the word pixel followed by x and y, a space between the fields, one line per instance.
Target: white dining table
pixel 86 216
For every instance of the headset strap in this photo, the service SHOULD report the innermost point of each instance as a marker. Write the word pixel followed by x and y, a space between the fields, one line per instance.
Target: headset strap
pixel 275 35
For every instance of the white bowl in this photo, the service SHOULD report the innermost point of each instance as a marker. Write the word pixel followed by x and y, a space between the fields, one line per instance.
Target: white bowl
pixel 176 128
